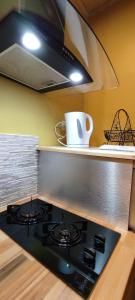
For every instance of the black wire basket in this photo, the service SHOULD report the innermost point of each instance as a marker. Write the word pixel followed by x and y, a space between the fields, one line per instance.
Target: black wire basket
pixel 118 135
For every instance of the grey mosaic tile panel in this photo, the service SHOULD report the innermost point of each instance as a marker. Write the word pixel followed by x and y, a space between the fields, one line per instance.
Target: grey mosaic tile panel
pixel 18 167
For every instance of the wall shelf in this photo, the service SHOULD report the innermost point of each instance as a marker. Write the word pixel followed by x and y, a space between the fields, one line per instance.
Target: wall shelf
pixel 93 151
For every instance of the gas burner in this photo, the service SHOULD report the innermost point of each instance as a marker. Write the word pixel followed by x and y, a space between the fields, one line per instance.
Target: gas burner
pixel 29 213
pixel 32 215
pixel 65 235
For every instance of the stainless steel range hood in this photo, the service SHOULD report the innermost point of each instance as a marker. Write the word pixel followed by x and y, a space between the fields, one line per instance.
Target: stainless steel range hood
pixel 67 46
pixel 22 66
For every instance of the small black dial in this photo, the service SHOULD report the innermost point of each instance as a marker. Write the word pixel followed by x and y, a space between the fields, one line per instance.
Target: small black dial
pixel 99 242
pixel 89 256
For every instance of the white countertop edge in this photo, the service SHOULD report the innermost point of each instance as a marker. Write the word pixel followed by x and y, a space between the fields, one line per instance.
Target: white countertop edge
pixel 92 151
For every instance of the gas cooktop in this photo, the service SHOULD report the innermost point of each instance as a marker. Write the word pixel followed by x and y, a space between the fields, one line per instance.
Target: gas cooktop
pixel 72 247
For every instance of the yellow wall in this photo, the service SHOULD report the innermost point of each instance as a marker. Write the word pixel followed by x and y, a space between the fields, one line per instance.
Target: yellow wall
pixel 26 112
pixel 116 30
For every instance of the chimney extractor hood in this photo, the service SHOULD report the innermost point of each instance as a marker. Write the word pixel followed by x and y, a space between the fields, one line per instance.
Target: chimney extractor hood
pixel 45 46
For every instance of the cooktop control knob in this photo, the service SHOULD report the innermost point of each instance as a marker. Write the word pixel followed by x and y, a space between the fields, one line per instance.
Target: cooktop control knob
pixel 99 242
pixel 9 220
pixel 9 208
pixel 89 257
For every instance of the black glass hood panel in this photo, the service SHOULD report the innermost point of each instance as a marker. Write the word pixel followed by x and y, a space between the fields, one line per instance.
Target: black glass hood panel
pixel 68 45
pixel 54 56
pixel 48 16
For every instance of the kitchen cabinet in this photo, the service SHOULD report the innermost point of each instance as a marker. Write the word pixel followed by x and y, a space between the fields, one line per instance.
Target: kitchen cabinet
pixel 26 277
pixel 89 8
pixel 130 288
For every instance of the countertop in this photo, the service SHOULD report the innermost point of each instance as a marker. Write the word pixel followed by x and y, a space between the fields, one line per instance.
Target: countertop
pixel 93 151
pixel 22 277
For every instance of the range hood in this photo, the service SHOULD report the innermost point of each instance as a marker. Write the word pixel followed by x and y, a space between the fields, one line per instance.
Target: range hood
pixel 46 45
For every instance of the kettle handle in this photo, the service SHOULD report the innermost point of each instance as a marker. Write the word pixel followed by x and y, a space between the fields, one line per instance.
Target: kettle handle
pixel 59 136
pixel 89 132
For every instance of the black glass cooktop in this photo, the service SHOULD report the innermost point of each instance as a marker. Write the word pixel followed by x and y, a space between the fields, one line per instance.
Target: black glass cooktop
pixel 72 247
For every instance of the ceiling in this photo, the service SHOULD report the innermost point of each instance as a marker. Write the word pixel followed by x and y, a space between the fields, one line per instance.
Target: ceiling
pixel 90 8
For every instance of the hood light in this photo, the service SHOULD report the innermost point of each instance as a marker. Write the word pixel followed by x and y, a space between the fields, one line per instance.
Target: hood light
pixel 30 41
pixel 76 77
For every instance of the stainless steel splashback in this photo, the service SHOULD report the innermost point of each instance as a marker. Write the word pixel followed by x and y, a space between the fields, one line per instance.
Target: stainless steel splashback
pixel 100 187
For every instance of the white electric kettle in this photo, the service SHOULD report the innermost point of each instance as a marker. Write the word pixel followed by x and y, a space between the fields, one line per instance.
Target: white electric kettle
pixel 77 134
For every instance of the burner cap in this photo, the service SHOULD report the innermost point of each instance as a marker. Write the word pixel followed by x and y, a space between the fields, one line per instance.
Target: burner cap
pixel 65 235
pixel 29 213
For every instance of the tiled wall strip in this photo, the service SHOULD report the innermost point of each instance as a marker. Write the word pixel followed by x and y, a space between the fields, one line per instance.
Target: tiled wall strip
pixel 18 167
